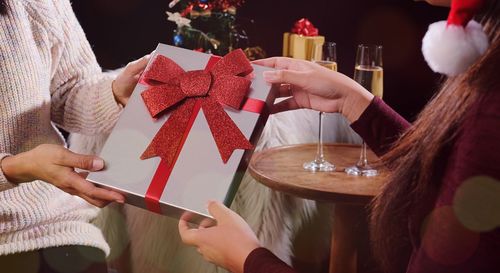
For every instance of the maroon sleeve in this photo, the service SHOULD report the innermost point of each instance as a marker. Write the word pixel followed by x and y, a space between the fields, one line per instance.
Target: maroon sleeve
pixel 261 260
pixel 380 126
pixel 463 231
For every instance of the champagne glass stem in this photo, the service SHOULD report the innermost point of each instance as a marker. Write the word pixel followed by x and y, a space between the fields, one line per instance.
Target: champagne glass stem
pixel 319 163
pixel 326 56
pixel 319 154
pixel 363 160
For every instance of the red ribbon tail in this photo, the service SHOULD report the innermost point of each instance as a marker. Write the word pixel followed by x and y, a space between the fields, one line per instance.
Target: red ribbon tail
pixel 226 134
pixel 168 139
pixel 167 144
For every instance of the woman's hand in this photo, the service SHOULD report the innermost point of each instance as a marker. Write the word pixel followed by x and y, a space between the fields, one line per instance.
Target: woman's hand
pixel 56 165
pixel 125 82
pixel 228 244
pixel 310 85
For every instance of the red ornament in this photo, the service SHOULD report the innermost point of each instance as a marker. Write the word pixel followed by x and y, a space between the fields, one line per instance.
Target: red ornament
pixel 226 4
pixel 187 10
pixel 204 6
pixel 305 27
pixel 184 92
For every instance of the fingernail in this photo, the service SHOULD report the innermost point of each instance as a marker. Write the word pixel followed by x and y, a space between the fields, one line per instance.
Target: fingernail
pixel 97 164
pixel 269 75
pixel 209 203
pixel 119 198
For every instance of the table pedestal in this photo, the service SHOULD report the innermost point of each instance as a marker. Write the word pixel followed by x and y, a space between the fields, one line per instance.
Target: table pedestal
pixel 347 223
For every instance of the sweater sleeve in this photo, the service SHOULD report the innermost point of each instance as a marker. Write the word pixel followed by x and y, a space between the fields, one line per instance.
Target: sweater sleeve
pixel 379 126
pixel 261 260
pixel 82 100
pixel 463 231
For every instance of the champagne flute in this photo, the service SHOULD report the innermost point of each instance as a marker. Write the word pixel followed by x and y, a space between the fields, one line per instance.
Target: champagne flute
pixel 326 56
pixel 369 73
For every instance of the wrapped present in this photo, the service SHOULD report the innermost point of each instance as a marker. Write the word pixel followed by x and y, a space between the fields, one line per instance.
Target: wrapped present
pixel 187 132
pixel 301 40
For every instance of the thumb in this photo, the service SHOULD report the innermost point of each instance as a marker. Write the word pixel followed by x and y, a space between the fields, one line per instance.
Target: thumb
pixel 137 66
pixel 296 78
pixel 218 211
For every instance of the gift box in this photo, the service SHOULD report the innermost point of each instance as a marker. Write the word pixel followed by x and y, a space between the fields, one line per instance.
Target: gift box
pixel 187 132
pixel 301 40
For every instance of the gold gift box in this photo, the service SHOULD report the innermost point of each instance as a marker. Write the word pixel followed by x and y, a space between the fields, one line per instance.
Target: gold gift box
pixel 300 46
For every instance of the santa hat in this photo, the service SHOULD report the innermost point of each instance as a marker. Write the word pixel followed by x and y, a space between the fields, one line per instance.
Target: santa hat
pixel 451 46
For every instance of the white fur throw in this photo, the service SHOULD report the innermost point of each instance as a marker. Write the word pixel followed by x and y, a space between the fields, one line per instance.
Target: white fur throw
pixel 146 242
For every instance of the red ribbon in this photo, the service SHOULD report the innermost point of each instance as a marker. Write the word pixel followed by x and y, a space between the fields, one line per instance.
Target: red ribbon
pixel 222 83
pixel 305 27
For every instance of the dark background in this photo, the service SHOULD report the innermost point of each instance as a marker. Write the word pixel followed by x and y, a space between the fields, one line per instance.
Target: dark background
pixel 123 30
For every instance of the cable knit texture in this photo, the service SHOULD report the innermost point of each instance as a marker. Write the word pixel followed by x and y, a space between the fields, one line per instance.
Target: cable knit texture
pixel 48 76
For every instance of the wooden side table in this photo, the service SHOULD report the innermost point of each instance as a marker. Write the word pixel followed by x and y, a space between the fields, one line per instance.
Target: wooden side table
pixel 281 169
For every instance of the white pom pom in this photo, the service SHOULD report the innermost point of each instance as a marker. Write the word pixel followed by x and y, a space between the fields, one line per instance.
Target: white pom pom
pixel 452 49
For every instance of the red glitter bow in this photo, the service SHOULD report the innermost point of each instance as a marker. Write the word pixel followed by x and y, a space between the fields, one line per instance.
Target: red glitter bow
pixel 305 27
pixel 184 92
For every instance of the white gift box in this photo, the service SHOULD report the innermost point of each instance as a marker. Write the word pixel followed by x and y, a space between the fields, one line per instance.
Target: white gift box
pixel 199 174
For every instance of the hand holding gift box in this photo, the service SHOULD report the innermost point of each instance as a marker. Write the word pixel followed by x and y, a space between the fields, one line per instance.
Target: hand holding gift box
pixel 168 156
pixel 299 43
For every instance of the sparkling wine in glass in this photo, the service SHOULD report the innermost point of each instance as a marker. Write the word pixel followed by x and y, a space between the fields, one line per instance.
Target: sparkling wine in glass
pixel 326 56
pixel 369 73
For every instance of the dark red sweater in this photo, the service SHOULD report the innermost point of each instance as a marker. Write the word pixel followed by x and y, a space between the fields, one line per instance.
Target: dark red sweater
pixel 463 234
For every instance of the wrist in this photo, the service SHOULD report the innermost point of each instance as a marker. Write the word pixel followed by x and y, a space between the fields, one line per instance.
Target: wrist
pixel 14 169
pixel 7 165
pixel 355 103
pixel 239 265
pixel 122 101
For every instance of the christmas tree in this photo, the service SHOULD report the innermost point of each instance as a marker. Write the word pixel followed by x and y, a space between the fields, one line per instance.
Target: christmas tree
pixel 210 26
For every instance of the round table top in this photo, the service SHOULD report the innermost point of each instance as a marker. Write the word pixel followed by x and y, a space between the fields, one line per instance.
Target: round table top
pixel 280 168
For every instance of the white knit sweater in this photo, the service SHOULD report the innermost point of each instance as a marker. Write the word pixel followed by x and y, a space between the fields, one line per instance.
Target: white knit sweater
pixel 48 75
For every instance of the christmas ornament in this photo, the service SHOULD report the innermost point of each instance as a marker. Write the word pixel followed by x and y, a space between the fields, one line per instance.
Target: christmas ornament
pixel 178 19
pixel 173 3
pixel 225 4
pixel 177 40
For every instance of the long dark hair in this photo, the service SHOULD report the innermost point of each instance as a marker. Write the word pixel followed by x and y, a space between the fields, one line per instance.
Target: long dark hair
pixel 3 7
pixel 414 163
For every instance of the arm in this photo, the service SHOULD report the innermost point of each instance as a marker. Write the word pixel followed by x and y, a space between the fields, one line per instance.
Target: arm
pixel 380 126
pixel 463 234
pixel 56 165
pixel 308 85
pixel 231 243
pixel 82 99
pixel 262 260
